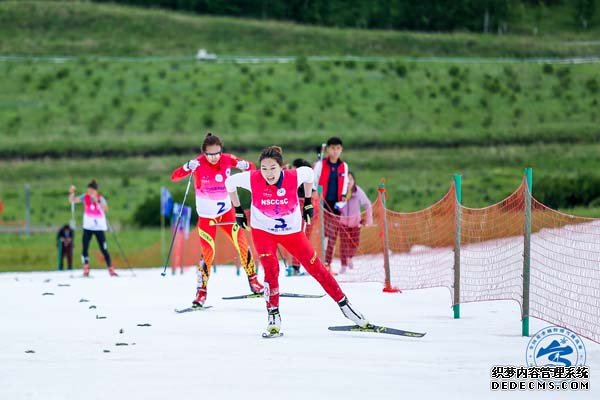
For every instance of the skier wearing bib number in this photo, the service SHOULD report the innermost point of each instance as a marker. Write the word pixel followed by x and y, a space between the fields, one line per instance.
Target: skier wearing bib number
pixel 276 218
pixel 94 224
pixel 213 206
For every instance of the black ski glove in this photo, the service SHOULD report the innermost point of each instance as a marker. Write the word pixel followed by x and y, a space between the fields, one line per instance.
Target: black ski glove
pixel 240 217
pixel 307 210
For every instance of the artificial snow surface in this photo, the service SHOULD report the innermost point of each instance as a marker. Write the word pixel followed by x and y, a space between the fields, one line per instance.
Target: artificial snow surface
pixel 220 354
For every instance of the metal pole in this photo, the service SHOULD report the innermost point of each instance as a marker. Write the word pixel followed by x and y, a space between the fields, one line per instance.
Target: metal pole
pixel 187 189
pixel 321 218
pixel 527 252
pixel 457 233
pixel 162 234
pixel 110 228
pixel 72 222
pixel 27 209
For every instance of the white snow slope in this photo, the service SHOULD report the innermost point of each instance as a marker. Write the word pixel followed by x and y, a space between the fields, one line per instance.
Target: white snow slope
pixel 219 353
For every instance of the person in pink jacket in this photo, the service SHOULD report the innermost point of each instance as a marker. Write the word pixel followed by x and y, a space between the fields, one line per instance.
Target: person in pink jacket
pixel 351 220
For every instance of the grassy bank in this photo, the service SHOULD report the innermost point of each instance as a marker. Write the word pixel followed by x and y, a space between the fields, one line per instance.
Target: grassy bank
pixel 81 28
pixel 91 108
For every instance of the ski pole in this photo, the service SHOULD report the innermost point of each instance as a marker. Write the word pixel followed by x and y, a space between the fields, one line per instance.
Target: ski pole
pixel 187 189
pixel 72 222
pixel 110 228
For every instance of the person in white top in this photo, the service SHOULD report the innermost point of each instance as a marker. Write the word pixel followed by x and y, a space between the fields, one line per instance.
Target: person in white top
pixel 94 224
pixel 276 218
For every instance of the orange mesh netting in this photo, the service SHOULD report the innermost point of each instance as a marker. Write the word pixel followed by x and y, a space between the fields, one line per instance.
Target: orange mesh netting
pixel 564 259
pixel 491 251
pixel 565 270
pixel 420 247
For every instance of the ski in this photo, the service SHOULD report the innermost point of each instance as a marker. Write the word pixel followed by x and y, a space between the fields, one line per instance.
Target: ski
pixel 257 295
pixel 267 335
pixel 190 309
pixel 302 296
pixel 244 296
pixel 376 329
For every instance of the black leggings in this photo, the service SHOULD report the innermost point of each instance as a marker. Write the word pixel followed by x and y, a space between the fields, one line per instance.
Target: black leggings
pixel 87 237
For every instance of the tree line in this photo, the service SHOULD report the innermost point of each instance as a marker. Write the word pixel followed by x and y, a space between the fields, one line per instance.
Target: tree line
pixel 421 15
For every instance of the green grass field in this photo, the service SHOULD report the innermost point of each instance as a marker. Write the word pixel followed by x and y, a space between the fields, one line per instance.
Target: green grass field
pixel 129 122
pixel 115 108
pixel 82 28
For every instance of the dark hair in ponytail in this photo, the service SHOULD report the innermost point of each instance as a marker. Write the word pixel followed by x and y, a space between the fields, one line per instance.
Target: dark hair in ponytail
pixel 210 140
pixel 93 184
pixel 273 152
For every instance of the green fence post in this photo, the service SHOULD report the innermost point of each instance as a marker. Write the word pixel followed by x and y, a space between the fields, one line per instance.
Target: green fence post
pixel 457 233
pixel 527 251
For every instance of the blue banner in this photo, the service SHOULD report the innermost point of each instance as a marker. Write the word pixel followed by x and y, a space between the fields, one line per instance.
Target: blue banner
pixel 186 218
pixel 166 202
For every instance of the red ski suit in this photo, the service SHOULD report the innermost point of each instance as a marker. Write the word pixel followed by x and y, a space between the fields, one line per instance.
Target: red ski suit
pixel 275 218
pixel 214 206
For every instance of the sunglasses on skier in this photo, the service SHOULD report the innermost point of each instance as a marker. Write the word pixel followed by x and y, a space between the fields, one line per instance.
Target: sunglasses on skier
pixel 212 154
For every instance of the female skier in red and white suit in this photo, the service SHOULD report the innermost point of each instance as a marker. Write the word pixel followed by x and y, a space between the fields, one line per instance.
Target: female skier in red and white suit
pixel 213 206
pixel 276 218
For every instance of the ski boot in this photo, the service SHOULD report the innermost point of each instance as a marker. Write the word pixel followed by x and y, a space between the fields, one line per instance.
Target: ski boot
pixel 274 324
pixel 112 272
pixel 200 298
pixel 86 270
pixel 350 313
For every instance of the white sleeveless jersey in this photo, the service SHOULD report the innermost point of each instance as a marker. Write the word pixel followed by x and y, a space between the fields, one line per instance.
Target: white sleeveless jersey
pixel 274 208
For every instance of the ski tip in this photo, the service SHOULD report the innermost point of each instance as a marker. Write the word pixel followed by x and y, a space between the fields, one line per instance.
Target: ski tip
pixel 190 309
pixel 267 335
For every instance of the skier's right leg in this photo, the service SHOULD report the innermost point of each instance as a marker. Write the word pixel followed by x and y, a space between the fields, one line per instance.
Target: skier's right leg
pixel 266 250
pixel 85 258
pixel 207 235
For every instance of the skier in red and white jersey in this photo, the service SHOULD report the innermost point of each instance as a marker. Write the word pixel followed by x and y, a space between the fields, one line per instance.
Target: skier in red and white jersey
pixel 94 224
pixel 276 218
pixel 213 206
